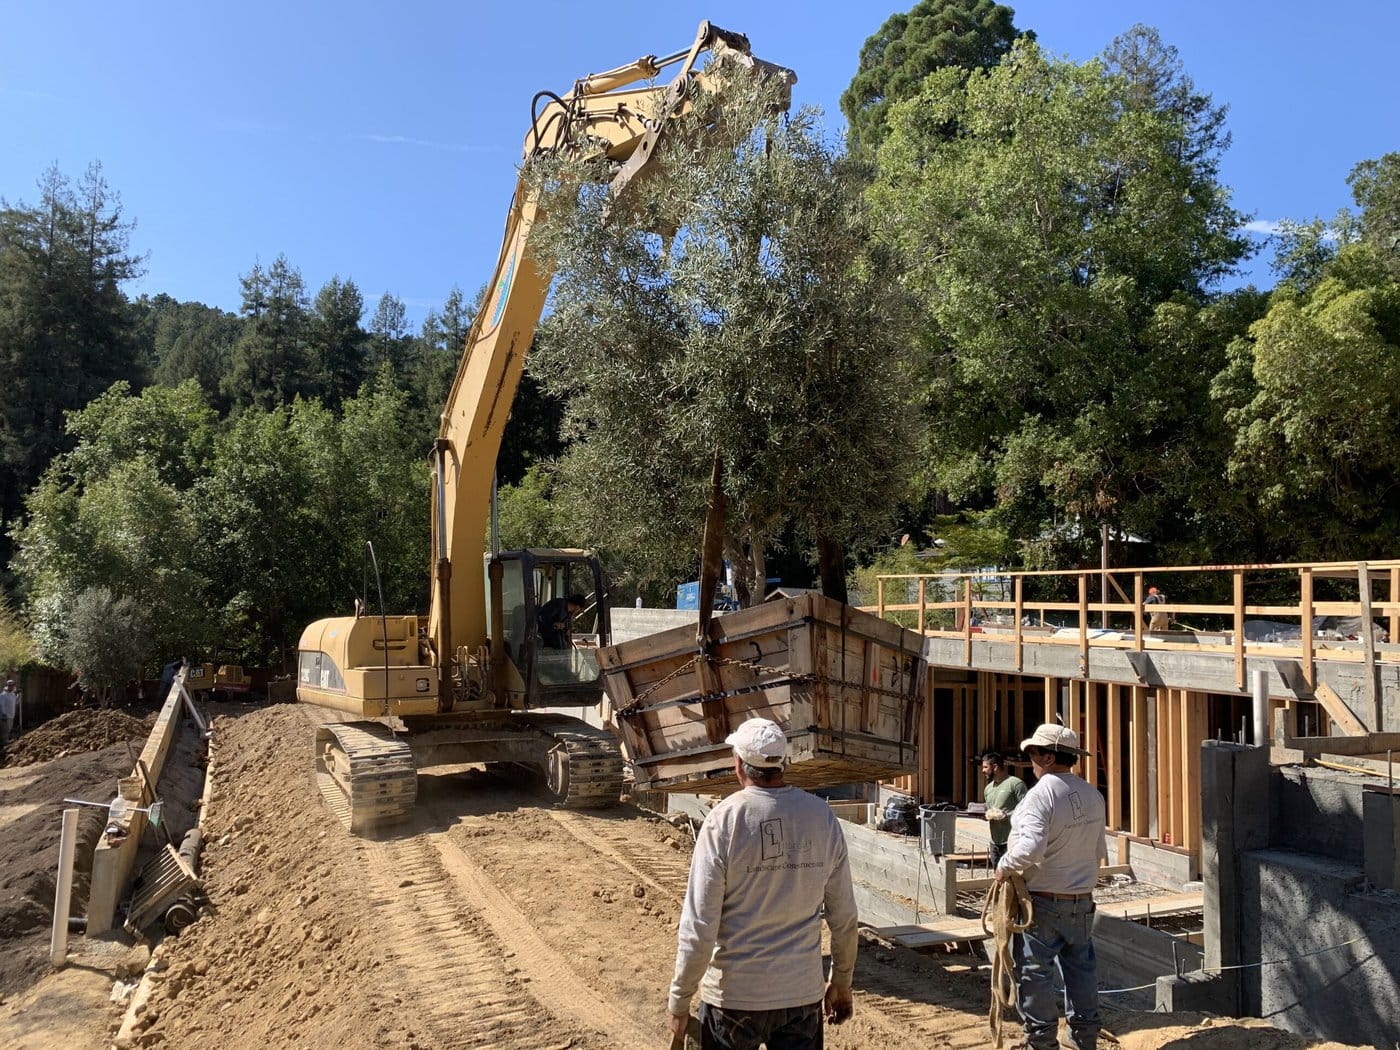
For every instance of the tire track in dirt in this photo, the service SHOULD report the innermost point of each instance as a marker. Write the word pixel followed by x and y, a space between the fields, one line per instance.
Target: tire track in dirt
pixel 904 1001
pixel 552 980
pixel 459 987
pixel 663 869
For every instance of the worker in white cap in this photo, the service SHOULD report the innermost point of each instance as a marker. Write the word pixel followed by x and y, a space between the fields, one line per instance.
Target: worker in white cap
pixel 768 861
pixel 1057 841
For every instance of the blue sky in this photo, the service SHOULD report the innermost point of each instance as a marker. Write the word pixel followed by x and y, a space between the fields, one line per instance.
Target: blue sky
pixel 378 141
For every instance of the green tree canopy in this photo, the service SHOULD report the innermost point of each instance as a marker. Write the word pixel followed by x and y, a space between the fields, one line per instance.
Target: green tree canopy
pixel 271 362
pixel 65 329
pixel 106 640
pixel 1313 391
pixel 116 514
pixel 934 34
pixel 1064 246
pixel 764 331
pixel 337 342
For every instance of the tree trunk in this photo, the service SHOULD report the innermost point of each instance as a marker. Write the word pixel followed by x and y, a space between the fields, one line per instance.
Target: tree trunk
pixel 831 561
pixel 711 554
pixel 758 559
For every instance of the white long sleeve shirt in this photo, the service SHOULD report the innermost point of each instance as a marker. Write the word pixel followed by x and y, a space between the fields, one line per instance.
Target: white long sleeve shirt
pixel 1057 835
pixel 767 861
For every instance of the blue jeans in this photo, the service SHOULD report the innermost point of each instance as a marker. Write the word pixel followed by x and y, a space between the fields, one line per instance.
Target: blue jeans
pixel 792 1028
pixel 1061 933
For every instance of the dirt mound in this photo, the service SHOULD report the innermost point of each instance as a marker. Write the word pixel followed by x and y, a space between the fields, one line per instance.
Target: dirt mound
pixel 77 732
pixel 287 957
pixel 30 820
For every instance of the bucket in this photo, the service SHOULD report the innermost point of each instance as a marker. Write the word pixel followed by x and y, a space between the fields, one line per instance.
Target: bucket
pixel 938 830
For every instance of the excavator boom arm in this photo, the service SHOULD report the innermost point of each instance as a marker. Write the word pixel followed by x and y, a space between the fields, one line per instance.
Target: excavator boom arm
pixel 609 113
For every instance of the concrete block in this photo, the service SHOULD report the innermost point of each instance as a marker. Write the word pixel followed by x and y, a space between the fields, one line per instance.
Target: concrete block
pixel 629 623
pixel 1381 825
pixel 1195 992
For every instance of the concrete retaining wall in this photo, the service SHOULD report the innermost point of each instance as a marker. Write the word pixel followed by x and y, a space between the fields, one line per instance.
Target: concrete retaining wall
pixel 1316 810
pixel 1294 934
pixel 1296 903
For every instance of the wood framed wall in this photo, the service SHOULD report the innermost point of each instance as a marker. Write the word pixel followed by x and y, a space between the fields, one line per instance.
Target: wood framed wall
pixel 1143 743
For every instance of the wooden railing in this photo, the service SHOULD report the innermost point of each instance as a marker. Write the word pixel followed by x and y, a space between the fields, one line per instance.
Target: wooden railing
pixel 1004 607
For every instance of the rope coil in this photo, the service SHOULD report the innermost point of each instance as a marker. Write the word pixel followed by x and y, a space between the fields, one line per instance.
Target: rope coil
pixel 1009 907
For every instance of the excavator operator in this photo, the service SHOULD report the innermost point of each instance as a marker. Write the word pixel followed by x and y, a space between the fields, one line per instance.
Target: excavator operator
pixel 554 617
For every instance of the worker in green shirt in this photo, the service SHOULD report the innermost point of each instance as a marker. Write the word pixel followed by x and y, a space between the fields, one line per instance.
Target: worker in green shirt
pixel 1001 793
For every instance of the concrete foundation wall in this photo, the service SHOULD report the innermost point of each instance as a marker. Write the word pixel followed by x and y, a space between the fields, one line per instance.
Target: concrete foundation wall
pixel 1168 868
pixel 1293 929
pixel 1295 903
pixel 1316 810
pixel 1134 954
pixel 629 623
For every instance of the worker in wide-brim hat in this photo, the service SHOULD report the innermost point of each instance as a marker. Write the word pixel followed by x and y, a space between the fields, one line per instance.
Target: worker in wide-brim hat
pixel 769 860
pixel 1057 841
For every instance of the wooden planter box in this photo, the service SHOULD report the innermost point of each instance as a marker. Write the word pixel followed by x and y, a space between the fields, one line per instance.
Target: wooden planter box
pixel 845 685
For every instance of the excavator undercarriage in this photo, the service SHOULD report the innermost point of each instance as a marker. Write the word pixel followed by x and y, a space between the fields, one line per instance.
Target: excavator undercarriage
pixel 368 771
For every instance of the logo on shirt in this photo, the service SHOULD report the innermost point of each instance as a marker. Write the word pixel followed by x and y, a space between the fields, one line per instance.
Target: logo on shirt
pixel 1076 805
pixel 770 833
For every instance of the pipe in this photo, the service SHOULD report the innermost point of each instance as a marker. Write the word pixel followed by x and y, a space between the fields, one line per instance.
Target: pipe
pixel 190 847
pixel 1261 708
pixel 63 893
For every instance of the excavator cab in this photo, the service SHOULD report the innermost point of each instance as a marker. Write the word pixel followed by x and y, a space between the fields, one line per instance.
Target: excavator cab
pixel 558 666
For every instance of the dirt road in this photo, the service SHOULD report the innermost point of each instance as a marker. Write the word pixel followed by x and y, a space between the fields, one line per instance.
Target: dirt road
pixel 491 921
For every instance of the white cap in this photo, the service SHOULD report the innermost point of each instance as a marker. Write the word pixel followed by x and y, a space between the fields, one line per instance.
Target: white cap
pixel 759 742
pixel 1054 738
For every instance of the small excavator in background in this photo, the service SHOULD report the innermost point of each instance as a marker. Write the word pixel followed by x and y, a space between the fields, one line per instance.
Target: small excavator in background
pixel 466 682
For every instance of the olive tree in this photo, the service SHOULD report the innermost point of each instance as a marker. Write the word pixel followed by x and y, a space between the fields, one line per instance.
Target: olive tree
pixel 729 307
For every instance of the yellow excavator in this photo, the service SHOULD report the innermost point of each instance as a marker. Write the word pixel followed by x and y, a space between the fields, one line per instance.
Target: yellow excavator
pixel 515 631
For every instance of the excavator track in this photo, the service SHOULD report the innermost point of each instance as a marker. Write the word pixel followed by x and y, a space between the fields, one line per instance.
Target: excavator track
pixel 584 767
pixel 366 774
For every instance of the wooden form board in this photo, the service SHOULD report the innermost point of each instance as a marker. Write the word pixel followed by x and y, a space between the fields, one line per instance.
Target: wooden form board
pixel 112 865
pixel 846 686
pixel 933 934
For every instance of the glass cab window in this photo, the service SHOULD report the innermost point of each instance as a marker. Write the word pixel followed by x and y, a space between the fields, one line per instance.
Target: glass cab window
pixel 566 656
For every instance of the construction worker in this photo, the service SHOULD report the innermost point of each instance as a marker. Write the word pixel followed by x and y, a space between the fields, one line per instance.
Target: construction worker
pixel 9 701
pixel 1160 621
pixel 768 860
pixel 554 617
pixel 1057 842
pixel 1001 793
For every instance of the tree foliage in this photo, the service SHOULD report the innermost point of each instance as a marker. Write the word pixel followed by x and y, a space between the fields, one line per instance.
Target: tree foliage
pixel 65 331
pixel 105 640
pixel 1313 391
pixel 763 331
pixel 229 535
pixel 1064 247
pixel 115 514
pixel 933 35
pixel 271 362
pixel 337 341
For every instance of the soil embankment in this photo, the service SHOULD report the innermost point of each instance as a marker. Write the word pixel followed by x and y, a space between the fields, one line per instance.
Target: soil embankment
pixel 490 920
